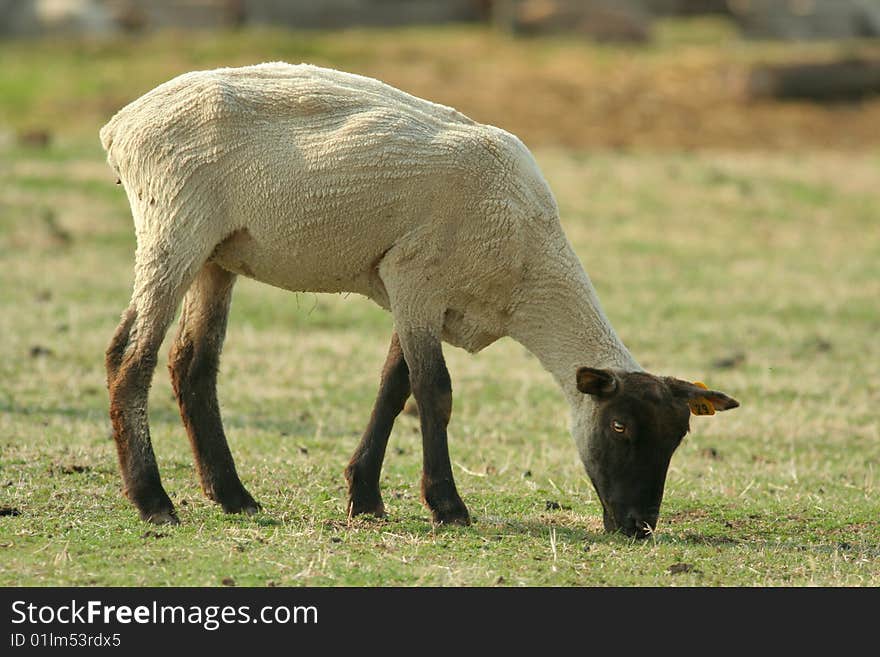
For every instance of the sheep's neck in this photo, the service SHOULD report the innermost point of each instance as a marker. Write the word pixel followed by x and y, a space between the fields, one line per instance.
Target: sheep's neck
pixel 560 320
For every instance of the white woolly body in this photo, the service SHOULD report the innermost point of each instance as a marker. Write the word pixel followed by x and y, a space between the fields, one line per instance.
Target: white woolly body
pixel 312 179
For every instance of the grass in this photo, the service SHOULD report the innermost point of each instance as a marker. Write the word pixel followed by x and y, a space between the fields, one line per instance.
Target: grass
pixel 766 260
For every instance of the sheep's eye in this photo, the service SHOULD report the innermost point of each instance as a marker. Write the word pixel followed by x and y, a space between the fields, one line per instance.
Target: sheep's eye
pixel 619 427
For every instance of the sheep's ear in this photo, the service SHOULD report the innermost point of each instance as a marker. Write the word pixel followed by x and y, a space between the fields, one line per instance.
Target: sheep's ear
pixel 700 399
pixel 596 382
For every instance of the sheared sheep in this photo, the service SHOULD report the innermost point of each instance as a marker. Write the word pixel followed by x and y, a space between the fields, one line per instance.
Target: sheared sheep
pixel 312 179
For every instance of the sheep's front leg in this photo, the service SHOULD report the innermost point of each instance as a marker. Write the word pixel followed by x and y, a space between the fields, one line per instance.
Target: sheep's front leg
pixel 362 473
pixel 432 389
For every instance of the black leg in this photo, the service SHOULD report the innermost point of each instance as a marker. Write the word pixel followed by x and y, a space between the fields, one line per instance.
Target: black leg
pixel 432 389
pixel 362 473
pixel 193 364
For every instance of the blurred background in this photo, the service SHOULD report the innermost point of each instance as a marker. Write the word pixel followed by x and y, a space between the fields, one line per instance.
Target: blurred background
pixel 656 74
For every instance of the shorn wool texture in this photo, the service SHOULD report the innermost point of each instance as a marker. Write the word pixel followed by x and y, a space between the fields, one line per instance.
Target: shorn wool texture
pixel 312 179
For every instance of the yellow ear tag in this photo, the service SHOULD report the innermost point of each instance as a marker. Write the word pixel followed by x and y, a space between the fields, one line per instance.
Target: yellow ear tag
pixel 701 405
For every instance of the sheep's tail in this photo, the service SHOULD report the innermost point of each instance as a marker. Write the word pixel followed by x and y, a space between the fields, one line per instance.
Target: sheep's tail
pixel 107 133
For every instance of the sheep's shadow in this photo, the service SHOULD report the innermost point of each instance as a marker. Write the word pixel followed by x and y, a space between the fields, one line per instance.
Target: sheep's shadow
pixel 587 537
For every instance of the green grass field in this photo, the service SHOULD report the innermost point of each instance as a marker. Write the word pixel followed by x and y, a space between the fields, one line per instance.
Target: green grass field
pixel 755 271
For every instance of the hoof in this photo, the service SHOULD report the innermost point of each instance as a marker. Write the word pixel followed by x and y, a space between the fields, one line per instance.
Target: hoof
pixel 252 509
pixel 161 518
pixel 363 498
pixel 240 502
pixel 458 516
pixel 361 506
pixel 444 502
pixel 154 506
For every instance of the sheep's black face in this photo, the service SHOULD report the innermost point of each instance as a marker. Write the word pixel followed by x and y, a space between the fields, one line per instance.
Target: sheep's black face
pixel 638 423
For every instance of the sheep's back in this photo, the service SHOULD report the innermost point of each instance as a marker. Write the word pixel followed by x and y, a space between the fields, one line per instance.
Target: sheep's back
pixel 319 112
pixel 310 151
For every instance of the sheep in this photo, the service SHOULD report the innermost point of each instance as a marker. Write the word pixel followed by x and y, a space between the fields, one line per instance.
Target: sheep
pixel 312 179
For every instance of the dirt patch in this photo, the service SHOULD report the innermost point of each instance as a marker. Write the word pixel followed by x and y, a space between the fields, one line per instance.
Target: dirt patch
pixel 152 534
pixel 553 505
pixel 709 540
pixel 729 361
pixel 687 514
pixel 68 468
pixel 679 568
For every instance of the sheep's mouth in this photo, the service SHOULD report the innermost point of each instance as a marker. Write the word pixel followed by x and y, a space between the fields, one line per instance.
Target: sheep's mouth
pixel 631 527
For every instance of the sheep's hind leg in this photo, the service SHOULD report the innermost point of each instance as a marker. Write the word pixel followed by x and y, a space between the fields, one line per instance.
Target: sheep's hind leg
pixel 362 473
pixel 129 370
pixel 130 361
pixel 118 344
pixel 432 389
pixel 193 362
